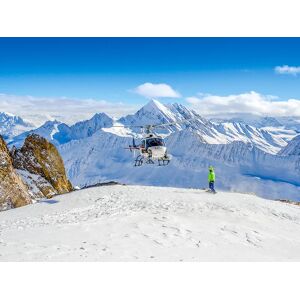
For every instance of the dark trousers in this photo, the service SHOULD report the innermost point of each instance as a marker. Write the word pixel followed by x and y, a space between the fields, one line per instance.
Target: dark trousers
pixel 212 186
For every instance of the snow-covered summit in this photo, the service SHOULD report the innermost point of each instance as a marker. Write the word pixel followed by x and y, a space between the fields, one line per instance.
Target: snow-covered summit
pixel 10 119
pixel 153 112
pixel 156 113
pixel 60 133
pixel 82 129
pixel 47 130
pixel 11 125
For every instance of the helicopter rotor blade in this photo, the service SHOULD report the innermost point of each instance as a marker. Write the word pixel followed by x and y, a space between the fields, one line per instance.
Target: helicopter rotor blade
pixel 129 126
pixel 151 126
pixel 173 123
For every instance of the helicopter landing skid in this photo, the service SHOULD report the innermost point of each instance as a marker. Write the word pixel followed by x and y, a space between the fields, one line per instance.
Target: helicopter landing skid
pixel 149 161
pixel 163 162
pixel 139 161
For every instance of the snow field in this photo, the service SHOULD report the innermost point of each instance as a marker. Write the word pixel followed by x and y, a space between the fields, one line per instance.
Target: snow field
pixel 139 223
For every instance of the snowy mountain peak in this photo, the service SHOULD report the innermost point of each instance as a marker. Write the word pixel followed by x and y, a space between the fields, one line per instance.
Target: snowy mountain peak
pixel 153 104
pixel 158 109
pixel 6 116
pixel 61 133
pixel 10 119
pixel 153 112
pixel 99 118
pixel 11 125
pixel 49 124
pixel 4 113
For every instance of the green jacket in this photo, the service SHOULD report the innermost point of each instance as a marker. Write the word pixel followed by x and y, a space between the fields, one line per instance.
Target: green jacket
pixel 211 176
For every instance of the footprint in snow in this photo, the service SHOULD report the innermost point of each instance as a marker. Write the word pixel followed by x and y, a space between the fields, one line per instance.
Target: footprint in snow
pixel 157 242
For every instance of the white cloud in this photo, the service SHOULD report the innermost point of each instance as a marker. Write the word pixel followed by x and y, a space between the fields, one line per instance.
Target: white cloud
pixel 152 90
pixel 251 102
pixel 38 110
pixel 287 70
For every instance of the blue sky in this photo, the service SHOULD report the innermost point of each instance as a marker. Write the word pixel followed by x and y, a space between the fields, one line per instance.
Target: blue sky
pixel 70 79
pixel 110 68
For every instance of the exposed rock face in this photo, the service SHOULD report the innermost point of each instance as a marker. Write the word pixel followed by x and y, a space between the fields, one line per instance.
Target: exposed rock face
pixel 13 192
pixel 41 167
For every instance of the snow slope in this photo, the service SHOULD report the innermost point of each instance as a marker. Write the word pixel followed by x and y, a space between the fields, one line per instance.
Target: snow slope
pixel 292 148
pixel 239 167
pixel 138 223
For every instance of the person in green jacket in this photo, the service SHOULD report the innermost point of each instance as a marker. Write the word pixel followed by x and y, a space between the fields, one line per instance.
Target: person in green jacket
pixel 211 179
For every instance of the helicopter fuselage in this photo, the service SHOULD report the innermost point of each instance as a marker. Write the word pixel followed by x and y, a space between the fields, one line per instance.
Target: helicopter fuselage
pixel 153 146
pixel 155 152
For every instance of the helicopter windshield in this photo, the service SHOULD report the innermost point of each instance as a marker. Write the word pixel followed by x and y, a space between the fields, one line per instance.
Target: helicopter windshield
pixel 154 142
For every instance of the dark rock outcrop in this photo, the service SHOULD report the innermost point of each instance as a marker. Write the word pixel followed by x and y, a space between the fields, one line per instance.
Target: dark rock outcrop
pixel 13 191
pixel 41 167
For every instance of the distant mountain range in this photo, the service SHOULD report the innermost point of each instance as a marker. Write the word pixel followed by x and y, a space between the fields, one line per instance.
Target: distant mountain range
pixel 287 123
pixel 263 159
pixel 60 133
pixel 270 140
pixel 11 125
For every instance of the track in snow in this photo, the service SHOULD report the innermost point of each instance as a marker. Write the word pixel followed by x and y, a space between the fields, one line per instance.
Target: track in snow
pixel 137 223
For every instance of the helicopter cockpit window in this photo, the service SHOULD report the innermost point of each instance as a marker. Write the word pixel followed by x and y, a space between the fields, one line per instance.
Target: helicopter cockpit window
pixel 155 142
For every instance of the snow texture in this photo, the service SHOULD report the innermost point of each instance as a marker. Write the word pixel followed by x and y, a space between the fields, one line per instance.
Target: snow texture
pixel 137 223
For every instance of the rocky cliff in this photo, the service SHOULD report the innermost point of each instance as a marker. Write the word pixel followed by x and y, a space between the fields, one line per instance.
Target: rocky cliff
pixel 13 191
pixel 41 167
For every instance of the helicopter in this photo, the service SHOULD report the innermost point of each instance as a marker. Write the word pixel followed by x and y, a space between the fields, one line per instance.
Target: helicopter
pixel 152 147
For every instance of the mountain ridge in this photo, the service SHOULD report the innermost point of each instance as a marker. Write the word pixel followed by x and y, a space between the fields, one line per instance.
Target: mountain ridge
pixel 249 154
pixel 11 125
pixel 155 112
